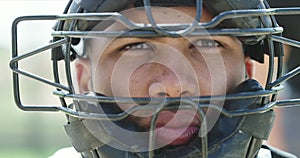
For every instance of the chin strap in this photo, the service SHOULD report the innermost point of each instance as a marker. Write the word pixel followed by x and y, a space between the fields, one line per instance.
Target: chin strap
pixel 81 137
pixel 259 127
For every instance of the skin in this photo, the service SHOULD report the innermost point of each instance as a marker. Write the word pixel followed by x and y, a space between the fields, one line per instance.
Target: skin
pixel 164 67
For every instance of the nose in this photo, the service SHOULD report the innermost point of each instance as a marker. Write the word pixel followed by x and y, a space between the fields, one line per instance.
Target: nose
pixel 175 74
pixel 172 83
pixel 167 89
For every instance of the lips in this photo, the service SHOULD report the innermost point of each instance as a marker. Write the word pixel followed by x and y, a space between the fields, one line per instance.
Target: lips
pixel 176 128
pixel 175 136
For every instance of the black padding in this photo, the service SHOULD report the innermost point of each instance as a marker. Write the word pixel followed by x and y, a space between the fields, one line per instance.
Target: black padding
pixel 103 5
pixel 81 138
pixel 167 3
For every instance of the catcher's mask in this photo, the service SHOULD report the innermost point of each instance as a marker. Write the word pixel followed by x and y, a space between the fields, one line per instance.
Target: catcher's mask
pixel 230 125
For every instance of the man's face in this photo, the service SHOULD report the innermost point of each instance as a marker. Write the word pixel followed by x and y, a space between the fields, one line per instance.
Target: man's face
pixel 163 67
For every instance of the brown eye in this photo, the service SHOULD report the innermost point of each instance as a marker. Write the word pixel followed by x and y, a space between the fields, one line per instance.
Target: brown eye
pixel 137 46
pixel 140 49
pixel 206 43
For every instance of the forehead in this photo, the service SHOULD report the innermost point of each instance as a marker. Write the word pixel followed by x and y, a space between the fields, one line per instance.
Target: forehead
pixel 162 15
pixel 167 14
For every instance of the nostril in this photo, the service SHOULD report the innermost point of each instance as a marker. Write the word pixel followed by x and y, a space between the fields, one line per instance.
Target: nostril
pixel 185 94
pixel 157 90
pixel 162 94
pixel 161 90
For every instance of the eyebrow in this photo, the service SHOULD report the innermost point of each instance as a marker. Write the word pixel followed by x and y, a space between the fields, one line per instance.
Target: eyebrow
pixel 149 39
pixel 118 42
pixel 152 38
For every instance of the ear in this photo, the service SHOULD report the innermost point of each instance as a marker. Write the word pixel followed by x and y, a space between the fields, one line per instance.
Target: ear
pixel 83 74
pixel 249 66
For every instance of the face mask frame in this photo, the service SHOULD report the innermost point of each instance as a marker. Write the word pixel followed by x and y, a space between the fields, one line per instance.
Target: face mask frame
pixel 64 38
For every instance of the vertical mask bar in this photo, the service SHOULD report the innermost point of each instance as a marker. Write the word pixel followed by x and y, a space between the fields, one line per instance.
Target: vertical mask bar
pixel 279 65
pixel 202 131
pixel 203 128
pixel 183 32
pixel 280 50
pixel 55 68
pixel 271 62
pixel 68 67
pixel 197 19
pixel 15 65
pixel 68 54
pixel 152 135
pixel 280 60
pixel 152 128
pixel 59 27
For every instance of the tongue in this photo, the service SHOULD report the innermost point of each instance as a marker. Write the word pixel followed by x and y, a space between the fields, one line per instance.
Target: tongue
pixel 175 136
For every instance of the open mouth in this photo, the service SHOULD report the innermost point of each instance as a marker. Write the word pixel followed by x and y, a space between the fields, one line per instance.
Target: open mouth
pixel 176 128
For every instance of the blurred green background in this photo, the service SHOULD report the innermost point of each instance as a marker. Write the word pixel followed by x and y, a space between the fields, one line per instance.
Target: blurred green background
pixel 28 134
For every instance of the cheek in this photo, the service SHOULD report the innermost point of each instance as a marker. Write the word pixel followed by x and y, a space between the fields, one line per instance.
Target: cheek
pixel 220 73
pixel 117 77
pixel 105 73
pixel 101 78
pixel 211 73
pixel 235 71
pixel 139 84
